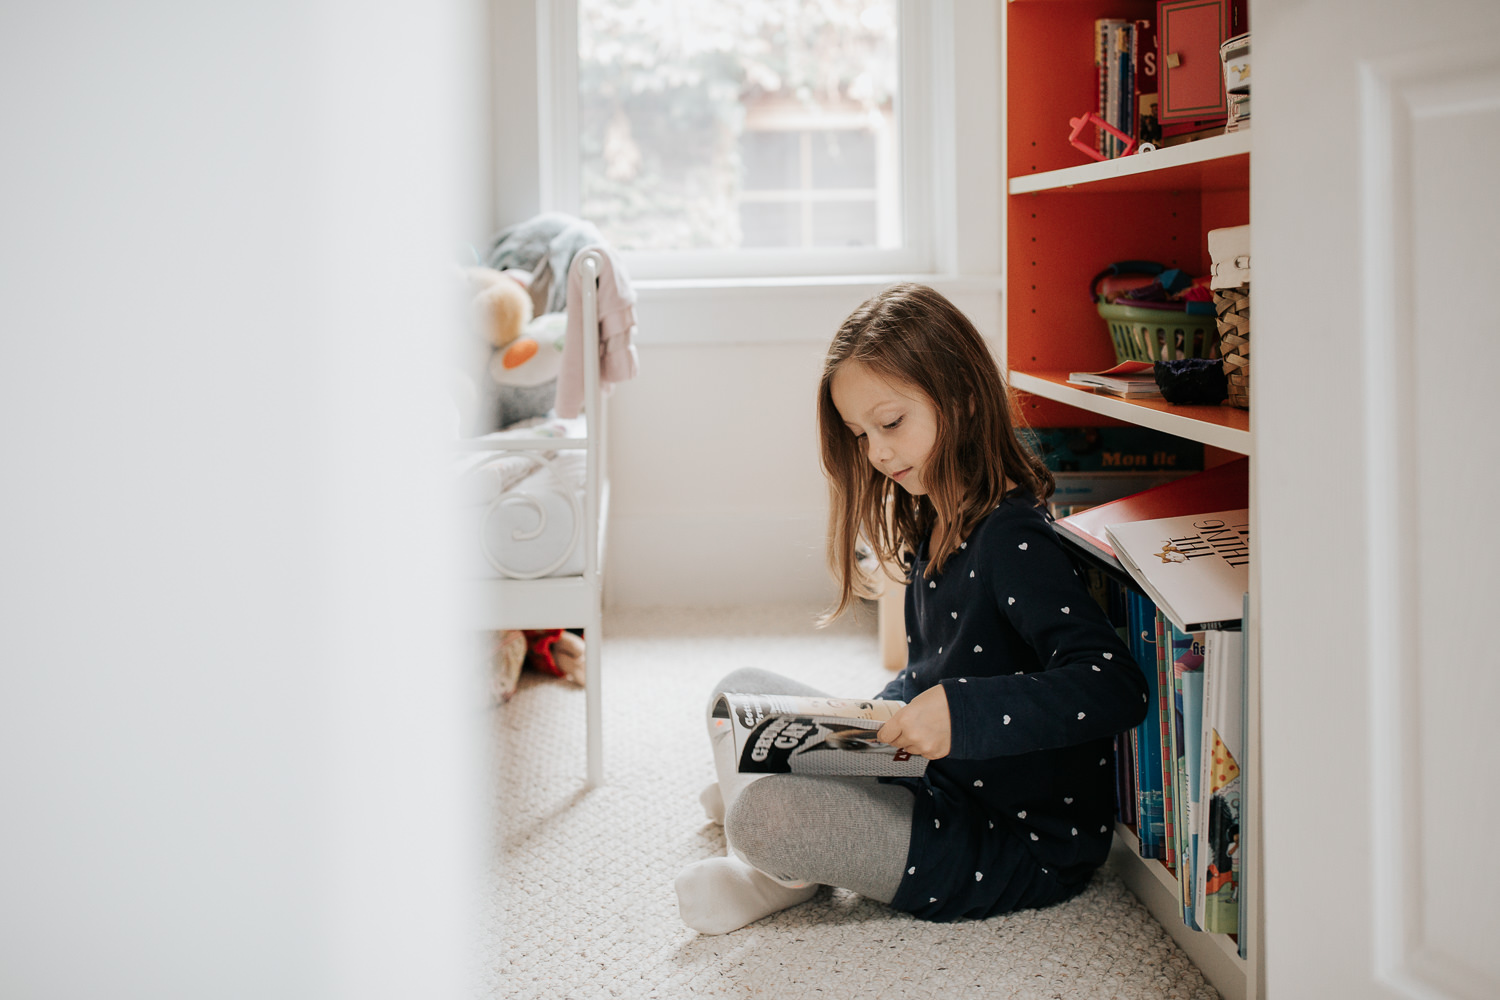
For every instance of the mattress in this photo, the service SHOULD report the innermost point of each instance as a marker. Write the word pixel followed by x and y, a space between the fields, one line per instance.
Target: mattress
pixel 522 514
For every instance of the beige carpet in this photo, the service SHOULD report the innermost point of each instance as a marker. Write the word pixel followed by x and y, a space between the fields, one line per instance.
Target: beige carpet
pixel 583 905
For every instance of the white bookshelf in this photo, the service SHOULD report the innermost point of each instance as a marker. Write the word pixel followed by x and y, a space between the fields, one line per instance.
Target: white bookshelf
pixel 1067 218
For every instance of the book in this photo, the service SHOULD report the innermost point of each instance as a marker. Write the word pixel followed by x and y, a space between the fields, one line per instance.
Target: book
pixel 1164 702
pixel 1150 823
pixel 1196 568
pixel 1217 867
pixel 1220 488
pixel 1244 911
pixel 1129 378
pixel 787 734
pixel 1184 654
pixel 1144 90
pixel 1108 55
pixel 1074 492
pixel 1125 449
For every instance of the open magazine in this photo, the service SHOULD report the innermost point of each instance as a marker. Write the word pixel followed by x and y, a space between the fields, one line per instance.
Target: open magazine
pixel 780 734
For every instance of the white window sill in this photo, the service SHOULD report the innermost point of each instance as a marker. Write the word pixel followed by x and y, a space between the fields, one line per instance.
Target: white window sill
pixel 759 311
pixel 661 288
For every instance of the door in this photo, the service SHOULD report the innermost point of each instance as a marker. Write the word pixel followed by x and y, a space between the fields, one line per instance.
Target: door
pixel 1375 221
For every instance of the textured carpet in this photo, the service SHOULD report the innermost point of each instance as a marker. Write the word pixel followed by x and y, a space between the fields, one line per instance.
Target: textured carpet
pixel 583 905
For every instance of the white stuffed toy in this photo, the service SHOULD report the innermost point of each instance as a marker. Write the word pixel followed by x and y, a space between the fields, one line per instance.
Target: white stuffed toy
pixel 525 371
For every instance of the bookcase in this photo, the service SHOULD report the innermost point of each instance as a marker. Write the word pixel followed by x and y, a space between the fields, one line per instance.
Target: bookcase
pixel 1066 218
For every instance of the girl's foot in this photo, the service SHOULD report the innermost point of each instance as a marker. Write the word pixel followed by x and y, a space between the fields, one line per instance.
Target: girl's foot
pixel 719 895
pixel 713 802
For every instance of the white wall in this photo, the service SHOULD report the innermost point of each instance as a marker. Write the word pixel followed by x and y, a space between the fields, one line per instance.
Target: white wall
pixel 717 494
pixel 237 741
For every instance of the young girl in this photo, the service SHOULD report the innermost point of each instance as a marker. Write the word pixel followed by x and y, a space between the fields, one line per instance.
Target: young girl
pixel 1015 681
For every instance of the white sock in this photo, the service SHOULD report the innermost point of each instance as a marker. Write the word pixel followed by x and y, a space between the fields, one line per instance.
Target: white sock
pixel 713 802
pixel 719 895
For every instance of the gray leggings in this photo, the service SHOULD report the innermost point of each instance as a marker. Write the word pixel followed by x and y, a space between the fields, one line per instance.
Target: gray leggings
pixel 848 832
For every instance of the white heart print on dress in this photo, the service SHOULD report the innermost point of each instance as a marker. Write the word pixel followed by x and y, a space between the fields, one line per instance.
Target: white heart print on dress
pixel 1067 611
pixel 1022 546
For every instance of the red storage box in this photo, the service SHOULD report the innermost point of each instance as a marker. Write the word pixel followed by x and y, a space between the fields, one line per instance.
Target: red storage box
pixel 1191 73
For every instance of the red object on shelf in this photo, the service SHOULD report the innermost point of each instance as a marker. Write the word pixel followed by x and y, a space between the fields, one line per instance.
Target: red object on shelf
pixel 1224 487
pixel 1080 123
pixel 1190 70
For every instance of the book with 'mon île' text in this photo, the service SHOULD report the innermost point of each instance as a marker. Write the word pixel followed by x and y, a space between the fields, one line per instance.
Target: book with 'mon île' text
pixel 1195 568
pixel 781 734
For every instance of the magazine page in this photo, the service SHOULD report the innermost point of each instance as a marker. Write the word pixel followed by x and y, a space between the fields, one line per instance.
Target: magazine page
pixel 785 734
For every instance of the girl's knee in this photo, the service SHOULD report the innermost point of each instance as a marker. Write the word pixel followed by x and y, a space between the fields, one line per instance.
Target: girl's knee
pixel 757 827
pixel 749 680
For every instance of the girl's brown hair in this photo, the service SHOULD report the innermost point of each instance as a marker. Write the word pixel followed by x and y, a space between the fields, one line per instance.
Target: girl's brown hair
pixel 911 334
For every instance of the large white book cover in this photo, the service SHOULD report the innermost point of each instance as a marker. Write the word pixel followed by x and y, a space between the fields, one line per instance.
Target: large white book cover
pixel 1196 568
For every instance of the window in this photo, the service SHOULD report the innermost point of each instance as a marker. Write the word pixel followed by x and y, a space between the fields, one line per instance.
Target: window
pixel 755 137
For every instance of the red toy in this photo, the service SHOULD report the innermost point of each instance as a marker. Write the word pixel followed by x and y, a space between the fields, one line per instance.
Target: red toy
pixel 1080 123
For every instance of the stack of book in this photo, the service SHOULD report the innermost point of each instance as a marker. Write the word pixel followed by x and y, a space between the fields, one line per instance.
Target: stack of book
pixel 1128 378
pixel 1174 565
pixel 1125 68
pixel 1095 465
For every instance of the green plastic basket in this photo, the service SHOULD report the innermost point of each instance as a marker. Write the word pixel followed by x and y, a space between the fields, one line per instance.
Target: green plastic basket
pixel 1142 334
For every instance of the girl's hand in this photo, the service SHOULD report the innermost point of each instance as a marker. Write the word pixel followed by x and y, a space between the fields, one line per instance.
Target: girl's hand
pixel 923 727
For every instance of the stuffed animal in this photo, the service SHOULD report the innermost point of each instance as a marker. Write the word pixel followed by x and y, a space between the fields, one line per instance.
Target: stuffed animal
pixel 502 305
pixel 556 652
pixel 507 656
pixel 525 373
pixel 525 352
pixel 552 651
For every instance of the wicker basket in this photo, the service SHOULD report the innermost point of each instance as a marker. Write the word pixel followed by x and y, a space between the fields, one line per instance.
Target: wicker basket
pixel 1142 334
pixel 1233 308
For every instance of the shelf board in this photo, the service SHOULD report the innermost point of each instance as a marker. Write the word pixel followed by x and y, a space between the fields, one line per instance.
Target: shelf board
pixel 1224 427
pixel 1218 163
pixel 1216 955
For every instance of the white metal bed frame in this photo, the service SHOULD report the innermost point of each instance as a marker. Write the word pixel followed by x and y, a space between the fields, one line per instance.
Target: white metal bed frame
pixel 519 600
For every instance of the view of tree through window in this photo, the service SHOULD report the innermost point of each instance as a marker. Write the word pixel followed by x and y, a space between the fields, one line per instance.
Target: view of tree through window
pixel 739 124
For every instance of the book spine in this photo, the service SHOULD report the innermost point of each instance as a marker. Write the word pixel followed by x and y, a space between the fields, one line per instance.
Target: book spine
pixel 1142 627
pixel 1168 758
pixel 1191 678
pixel 1101 76
pixel 1222 824
pixel 1212 680
pixel 1244 939
pixel 1173 648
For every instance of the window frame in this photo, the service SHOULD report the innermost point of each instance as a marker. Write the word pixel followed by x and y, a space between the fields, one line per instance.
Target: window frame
pixel 922 152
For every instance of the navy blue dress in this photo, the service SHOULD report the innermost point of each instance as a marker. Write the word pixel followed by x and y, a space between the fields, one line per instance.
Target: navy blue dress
pixel 1020 813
